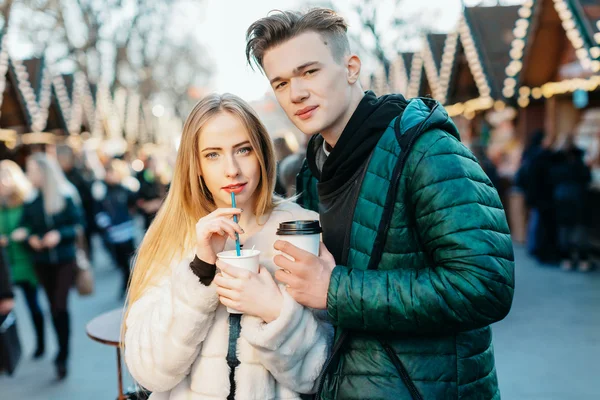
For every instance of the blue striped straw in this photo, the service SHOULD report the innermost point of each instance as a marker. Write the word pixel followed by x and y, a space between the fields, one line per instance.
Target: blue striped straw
pixel 235 219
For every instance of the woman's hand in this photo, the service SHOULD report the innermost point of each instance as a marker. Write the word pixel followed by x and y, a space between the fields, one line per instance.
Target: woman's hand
pixel 51 239
pixel 212 232
pixel 250 293
pixel 35 243
pixel 19 234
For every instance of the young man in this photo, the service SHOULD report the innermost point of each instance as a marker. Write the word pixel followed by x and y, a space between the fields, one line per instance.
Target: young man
pixel 423 256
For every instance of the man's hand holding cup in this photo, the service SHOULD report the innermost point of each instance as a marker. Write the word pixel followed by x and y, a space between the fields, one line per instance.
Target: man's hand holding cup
pixel 307 276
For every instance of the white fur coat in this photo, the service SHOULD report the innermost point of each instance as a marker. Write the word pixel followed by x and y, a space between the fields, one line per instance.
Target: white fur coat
pixel 177 336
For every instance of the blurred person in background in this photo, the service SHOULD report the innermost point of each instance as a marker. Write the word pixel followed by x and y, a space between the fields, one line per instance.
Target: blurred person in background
pixel 282 151
pixel 76 175
pixel 487 165
pixel 534 179
pixel 52 219
pixel 113 202
pixel 7 301
pixel 152 191
pixel 570 177
pixel 15 189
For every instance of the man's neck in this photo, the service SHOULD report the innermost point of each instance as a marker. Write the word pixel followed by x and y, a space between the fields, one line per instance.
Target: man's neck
pixel 334 132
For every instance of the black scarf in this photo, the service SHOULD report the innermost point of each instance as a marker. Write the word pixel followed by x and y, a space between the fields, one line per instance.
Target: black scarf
pixel 358 139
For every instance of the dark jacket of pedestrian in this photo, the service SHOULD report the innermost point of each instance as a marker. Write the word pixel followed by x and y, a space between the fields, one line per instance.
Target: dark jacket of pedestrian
pixel 66 222
pixel 570 177
pixel 6 291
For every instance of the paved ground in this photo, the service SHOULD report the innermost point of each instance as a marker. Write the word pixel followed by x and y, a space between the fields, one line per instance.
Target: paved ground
pixel 547 349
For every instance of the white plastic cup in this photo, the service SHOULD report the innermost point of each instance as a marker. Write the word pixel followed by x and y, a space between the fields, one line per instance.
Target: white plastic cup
pixel 304 234
pixel 248 260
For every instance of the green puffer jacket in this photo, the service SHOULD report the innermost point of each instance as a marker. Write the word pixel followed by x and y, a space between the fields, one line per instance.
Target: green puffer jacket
pixel 446 272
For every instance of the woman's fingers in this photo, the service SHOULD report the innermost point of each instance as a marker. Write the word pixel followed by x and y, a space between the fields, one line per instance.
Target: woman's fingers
pixel 228 293
pixel 233 224
pixel 223 226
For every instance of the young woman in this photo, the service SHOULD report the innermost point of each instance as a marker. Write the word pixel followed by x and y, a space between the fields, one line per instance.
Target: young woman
pixel 53 218
pixel 14 190
pixel 180 341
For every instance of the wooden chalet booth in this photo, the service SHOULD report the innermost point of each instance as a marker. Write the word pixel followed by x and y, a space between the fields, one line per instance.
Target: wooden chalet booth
pixel 554 78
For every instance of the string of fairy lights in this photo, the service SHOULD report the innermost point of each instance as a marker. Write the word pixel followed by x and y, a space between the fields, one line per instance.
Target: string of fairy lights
pixel 589 58
pixel 416 72
pixel 102 111
pixel 398 75
pixel 587 54
pixel 431 69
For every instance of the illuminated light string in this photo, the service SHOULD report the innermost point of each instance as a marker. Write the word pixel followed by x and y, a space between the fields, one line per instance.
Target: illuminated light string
pixel 133 117
pixel 38 111
pixel 76 106
pixel 416 71
pixel 399 76
pixel 473 59
pixel 470 107
pixel 552 89
pixel 63 99
pixel 475 65
pixel 448 57
pixel 89 110
pixel 4 61
pixel 107 112
pixel 431 69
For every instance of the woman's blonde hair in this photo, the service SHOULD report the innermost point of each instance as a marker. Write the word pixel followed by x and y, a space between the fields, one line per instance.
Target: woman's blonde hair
pixel 55 185
pixel 173 230
pixel 23 187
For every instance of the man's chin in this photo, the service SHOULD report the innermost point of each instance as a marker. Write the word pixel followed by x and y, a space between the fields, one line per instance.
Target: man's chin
pixel 309 127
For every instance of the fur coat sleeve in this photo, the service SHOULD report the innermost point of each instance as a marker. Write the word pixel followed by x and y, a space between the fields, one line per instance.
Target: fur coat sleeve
pixel 166 327
pixel 294 347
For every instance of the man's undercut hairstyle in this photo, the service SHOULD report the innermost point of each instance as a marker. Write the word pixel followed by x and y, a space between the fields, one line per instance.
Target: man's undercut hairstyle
pixel 281 26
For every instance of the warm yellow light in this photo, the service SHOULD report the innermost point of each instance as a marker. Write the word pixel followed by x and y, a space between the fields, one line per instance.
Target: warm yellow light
pixel 469 115
pixel 508 92
pixel 523 102
pixel 536 93
pixel 524 12
pixel 510 82
pixel 516 54
pixel 499 105
pixel 524 91
pixel 517 65
pixel 568 24
pixel 518 44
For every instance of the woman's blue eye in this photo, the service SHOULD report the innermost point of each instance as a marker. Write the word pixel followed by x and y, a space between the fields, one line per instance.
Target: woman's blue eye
pixel 211 156
pixel 245 150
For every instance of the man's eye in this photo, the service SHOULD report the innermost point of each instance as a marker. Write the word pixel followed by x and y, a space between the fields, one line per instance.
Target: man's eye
pixel 310 72
pixel 281 85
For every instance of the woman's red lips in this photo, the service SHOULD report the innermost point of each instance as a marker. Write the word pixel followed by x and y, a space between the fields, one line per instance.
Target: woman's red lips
pixel 238 187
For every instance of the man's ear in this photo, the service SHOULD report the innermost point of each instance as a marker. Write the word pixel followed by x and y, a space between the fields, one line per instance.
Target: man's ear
pixel 353 66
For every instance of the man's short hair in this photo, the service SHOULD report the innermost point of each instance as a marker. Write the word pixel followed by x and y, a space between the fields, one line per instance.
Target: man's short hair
pixel 280 26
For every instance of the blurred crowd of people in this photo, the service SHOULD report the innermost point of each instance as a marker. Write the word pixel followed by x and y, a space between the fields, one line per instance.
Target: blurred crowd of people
pixel 50 208
pixel 554 180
